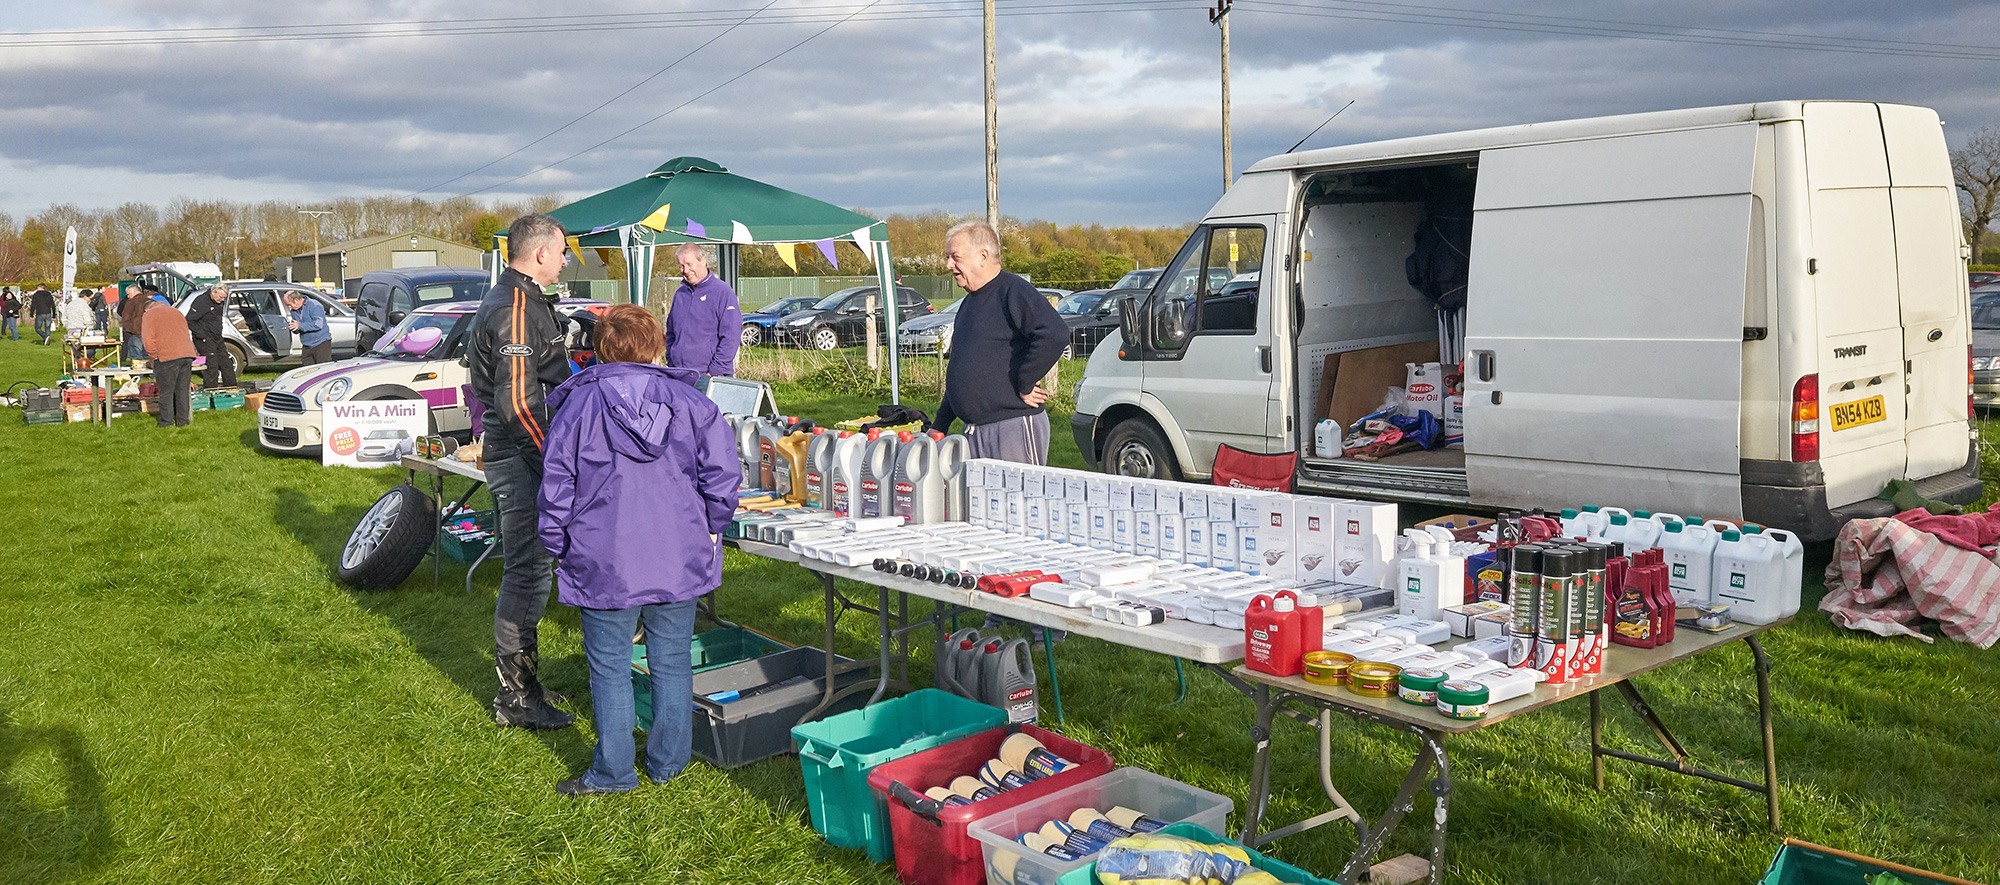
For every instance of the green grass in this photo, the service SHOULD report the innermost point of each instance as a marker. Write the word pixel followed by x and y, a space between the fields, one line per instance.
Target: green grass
pixel 187 696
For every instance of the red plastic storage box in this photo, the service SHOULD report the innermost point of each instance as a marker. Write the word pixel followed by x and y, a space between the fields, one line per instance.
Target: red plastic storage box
pixel 937 850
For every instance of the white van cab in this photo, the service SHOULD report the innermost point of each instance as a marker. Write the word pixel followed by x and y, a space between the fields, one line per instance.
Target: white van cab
pixel 1756 312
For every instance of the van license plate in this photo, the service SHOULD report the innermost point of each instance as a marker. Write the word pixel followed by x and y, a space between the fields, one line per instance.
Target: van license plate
pixel 1859 412
pixel 271 422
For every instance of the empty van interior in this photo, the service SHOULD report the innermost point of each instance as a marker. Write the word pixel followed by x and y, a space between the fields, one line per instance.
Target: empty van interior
pixel 1379 250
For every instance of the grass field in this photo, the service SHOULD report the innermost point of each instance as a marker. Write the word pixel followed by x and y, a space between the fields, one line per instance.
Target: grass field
pixel 187 696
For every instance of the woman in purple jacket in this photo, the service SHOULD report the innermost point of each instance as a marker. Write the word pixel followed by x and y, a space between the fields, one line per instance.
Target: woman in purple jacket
pixel 639 481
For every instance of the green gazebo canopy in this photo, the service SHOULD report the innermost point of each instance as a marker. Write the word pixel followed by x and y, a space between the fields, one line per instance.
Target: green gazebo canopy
pixel 692 189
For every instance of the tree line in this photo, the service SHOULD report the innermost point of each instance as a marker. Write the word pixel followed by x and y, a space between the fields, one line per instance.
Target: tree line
pixel 243 238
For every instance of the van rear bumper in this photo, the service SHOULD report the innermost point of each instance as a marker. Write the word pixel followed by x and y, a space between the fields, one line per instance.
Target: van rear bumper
pixel 1793 495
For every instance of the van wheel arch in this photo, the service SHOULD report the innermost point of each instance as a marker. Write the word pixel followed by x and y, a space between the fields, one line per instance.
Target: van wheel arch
pixel 1134 442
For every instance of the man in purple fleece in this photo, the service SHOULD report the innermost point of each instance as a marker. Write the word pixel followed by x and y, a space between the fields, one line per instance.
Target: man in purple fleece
pixel 639 480
pixel 704 324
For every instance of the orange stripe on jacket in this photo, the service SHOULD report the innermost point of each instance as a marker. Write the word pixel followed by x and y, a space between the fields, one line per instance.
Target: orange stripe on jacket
pixel 523 375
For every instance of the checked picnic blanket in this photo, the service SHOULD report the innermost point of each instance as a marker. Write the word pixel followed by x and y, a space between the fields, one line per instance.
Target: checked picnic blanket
pixel 1886 573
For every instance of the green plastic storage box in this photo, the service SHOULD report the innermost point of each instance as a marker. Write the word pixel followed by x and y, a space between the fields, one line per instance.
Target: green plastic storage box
pixel 1803 863
pixel 1087 874
pixel 199 401
pixel 838 752
pixel 710 650
pixel 225 398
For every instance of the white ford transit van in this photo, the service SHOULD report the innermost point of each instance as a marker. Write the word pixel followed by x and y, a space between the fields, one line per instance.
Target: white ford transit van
pixel 1755 312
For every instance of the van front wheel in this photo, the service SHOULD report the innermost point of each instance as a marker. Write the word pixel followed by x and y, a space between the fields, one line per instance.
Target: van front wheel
pixel 1136 448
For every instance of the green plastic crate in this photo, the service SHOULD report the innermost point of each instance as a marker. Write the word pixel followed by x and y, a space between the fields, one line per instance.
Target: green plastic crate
pixel 1803 863
pixel 225 399
pixel 198 401
pixel 838 752
pixel 43 416
pixel 710 650
pixel 468 551
pixel 1087 874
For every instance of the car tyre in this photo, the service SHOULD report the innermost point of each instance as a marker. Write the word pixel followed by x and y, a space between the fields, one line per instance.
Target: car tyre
pixel 237 357
pixel 390 541
pixel 1069 351
pixel 1136 448
pixel 753 335
pixel 823 338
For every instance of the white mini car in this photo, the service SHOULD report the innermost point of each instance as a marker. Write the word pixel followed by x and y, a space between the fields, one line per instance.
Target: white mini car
pixel 418 359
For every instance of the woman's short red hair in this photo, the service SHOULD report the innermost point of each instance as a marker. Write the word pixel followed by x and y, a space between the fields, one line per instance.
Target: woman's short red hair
pixel 629 333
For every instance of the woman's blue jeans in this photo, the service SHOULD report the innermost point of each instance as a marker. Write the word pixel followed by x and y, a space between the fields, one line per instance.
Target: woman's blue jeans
pixel 607 645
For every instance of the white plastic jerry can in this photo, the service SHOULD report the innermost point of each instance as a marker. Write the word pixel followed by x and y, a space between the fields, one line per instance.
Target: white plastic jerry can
pixel 1746 578
pixel 878 465
pixel 1790 556
pixel 1585 524
pixel 1690 559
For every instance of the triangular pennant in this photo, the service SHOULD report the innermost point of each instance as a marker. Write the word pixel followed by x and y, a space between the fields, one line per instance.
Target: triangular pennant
pixel 500 243
pixel 577 248
pixel 826 249
pixel 739 233
pixel 695 229
pixel 788 253
pixel 865 241
pixel 603 256
pixel 657 220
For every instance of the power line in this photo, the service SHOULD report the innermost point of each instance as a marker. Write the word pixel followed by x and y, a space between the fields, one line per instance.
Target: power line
pixel 579 118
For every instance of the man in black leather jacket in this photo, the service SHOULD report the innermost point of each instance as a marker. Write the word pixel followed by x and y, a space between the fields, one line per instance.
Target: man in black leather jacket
pixel 517 357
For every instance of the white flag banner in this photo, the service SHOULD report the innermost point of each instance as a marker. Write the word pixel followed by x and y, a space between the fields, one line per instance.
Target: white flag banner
pixel 866 242
pixel 69 260
pixel 739 233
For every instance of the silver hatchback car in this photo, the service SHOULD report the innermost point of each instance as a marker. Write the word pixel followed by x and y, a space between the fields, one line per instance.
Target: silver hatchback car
pixel 256 334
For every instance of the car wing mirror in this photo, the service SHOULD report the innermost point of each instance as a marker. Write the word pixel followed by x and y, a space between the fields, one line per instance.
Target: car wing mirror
pixel 1128 321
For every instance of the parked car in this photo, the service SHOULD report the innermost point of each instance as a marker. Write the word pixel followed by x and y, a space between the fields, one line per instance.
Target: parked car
pixel 417 359
pixel 1097 318
pixel 1139 279
pixel 757 326
pixel 257 333
pixel 385 297
pixel 1982 277
pixel 841 319
pixel 930 333
pixel 1986 351
pixel 1055 296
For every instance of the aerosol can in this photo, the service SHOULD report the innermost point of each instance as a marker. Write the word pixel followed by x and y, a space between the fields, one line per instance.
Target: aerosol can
pixel 844 485
pixel 878 465
pixel 952 453
pixel 819 468
pixel 746 449
pixel 768 435
pixel 918 491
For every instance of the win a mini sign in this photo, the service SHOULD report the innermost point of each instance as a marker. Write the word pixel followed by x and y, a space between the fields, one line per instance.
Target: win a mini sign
pixel 372 434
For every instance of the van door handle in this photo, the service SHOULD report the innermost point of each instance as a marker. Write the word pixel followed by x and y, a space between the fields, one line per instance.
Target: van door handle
pixel 1264 359
pixel 1483 364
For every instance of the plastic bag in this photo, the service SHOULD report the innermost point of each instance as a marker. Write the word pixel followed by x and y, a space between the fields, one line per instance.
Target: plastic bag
pixel 1156 859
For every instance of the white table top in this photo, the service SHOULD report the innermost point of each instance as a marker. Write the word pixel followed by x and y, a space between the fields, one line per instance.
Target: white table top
pixel 443 466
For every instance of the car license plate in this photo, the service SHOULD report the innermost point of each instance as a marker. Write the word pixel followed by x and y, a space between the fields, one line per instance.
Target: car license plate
pixel 270 422
pixel 1859 412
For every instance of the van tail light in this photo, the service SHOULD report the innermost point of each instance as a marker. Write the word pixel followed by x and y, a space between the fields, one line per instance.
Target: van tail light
pixel 1805 419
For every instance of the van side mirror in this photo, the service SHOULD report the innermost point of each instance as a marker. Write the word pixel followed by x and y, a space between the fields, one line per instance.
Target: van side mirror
pixel 1128 322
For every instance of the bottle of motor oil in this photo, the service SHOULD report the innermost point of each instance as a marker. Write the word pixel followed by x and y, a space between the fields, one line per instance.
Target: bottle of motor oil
pixel 768 435
pixel 878 466
pixel 1271 635
pixel 1007 679
pixel 746 449
pixel 917 492
pixel 945 661
pixel 843 488
pixel 952 453
pixel 965 666
pixel 1747 573
pixel 819 468
pixel 788 472
pixel 1690 557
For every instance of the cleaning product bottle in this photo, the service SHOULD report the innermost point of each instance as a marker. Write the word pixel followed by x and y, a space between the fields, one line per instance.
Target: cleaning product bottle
pixel 788 472
pixel 1787 550
pixel 917 490
pixel 1747 573
pixel 1007 679
pixel 952 453
pixel 819 468
pixel 1635 534
pixel 1326 438
pixel 747 431
pixel 768 434
pixel 1690 559
pixel 843 489
pixel 1582 524
pixel 1271 635
pixel 1431 576
pixel 878 464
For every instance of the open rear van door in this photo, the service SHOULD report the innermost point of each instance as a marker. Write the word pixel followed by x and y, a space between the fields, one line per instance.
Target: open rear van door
pixel 1605 321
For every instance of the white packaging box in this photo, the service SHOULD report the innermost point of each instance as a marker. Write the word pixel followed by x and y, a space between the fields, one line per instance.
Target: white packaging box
pixel 1097 490
pixel 996 508
pixel 1073 488
pixel 1100 527
pixel 1145 533
pixel 1122 539
pixel 1171 548
pixel 1223 551
pixel 1032 479
pixel 1017 516
pixel 1079 524
pixel 1366 544
pixel 1313 533
pixel 1248 554
pixel 1249 506
pixel 1276 534
pixel 1194 503
pixel 1221 505
pixel 1010 477
pixel 1121 493
pixel 1195 542
pixel 1167 498
pixel 1034 517
pixel 1145 496
pixel 975 473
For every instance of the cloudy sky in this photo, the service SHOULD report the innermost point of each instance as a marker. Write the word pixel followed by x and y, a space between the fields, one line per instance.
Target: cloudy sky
pixel 1108 111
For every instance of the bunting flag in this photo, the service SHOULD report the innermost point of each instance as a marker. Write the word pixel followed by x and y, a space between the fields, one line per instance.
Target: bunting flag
pixel 603 256
pixel 788 253
pixel 500 243
pixel 739 233
pixel 658 220
pixel 576 247
pixel 862 239
pixel 695 229
pixel 826 249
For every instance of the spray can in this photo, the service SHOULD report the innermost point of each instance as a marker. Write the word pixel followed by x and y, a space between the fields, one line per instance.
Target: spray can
pixel 819 468
pixel 878 465
pixel 1007 679
pixel 952 453
pixel 1596 559
pixel 1552 616
pixel 1524 592
pixel 917 493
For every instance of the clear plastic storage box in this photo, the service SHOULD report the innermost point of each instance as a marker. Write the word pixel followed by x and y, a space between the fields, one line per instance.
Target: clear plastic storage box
pixel 1135 788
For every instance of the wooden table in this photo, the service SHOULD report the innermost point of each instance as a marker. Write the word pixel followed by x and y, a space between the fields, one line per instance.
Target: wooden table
pixel 100 379
pixel 1273 693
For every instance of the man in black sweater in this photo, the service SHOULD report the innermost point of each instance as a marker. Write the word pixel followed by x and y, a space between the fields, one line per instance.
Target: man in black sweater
pixel 1005 339
pixel 205 318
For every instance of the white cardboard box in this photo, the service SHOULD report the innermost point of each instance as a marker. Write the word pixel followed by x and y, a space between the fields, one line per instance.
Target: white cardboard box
pixel 1221 505
pixel 1100 527
pixel 1034 517
pixel 1194 503
pixel 1171 538
pixel 1167 499
pixel 1276 533
pixel 1032 479
pixel 1010 477
pixel 1017 516
pixel 1073 488
pixel 1097 490
pixel 1313 533
pixel 1195 543
pixel 1223 551
pixel 1121 493
pixel 1146 533
pixel 1250 507
pixel 1079 524
pixel 1145 496
pixel 1121 530
pixel 1366 545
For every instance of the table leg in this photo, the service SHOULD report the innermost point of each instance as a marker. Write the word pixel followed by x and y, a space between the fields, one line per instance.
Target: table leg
pixel 1764 719
pixel 832 615
pixel 437 539
pixel 1441 794
pixel 1049 654
pixel 476 563
pixel 1260 766
pixel 883 643
pixel 1406 796
pixel 1596 743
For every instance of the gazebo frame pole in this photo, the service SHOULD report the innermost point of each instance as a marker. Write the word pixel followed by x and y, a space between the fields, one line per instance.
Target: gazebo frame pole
pixel 885 275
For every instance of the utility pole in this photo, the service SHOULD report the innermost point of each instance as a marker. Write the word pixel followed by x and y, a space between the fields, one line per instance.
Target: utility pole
pixel 992 130
pixel 1219 16
pixel 317 214
pixel 236 255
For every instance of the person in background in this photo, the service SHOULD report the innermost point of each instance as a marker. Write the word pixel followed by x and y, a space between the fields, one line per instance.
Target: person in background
pixel 77 316
pixel 308 321
pixel 704 323
pixel 42 304
pixel 131 319
pixel 100 316
pixel 10 314
pixel 204 318
pixel 639 481
pixel 516 357
pixel 172 349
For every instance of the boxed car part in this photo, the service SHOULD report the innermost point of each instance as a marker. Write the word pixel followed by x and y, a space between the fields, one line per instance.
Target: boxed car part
pixel 771 693
pixel 1283 872
pixel 838 752
pixel 41 399
pixel 1010 863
